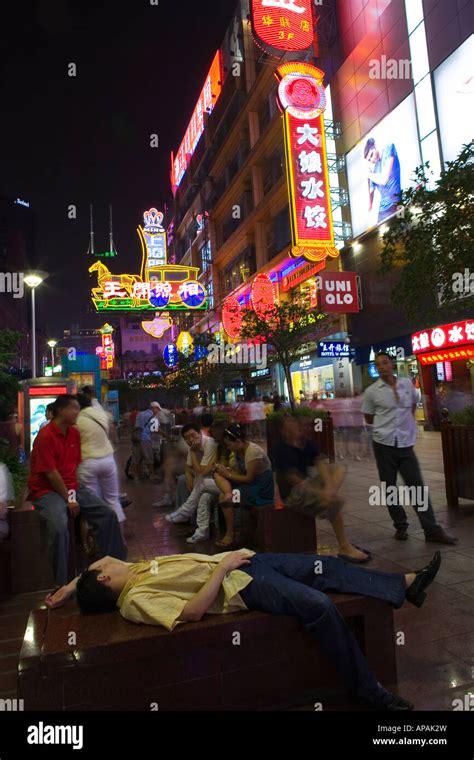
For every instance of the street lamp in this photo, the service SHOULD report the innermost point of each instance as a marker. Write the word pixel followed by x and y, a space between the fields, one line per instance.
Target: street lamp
pixel 52 344
pixel 33 280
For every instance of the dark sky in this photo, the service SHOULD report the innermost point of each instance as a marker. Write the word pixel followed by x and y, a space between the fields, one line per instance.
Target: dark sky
pixel 65 140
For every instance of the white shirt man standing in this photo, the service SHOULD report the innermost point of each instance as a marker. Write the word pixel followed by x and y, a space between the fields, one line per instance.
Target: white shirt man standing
pixel 389 405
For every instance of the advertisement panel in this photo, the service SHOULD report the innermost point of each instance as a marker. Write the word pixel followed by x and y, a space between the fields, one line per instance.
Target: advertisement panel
pixel 381 165
pixel 454 84
pixel 207 100
pixel 339 292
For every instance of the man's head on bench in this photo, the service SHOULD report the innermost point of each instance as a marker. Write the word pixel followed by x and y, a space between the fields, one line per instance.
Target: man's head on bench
pixel 99 589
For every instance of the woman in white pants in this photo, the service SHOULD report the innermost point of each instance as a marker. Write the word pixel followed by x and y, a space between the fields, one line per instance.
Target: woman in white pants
pixel 98 469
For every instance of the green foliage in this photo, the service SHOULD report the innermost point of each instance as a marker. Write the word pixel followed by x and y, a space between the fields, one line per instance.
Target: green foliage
pixel 18 471
pixel 463 417
pixel 432 243
pixel 8 383
pixel 288 329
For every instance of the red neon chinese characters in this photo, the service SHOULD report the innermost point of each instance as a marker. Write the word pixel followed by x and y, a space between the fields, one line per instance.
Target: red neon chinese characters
pixel 446 336
pixel 282 24
pixel 262 295
pixel 207 100
pixel 302 98
pixel 232 315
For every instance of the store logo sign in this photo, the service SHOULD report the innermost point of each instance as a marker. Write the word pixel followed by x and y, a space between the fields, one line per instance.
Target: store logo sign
pixel 339 292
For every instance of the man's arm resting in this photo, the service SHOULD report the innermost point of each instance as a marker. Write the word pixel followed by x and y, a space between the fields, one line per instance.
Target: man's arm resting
pixel 205 598
pixel 200 469
pixel 57 483
pixel 189 475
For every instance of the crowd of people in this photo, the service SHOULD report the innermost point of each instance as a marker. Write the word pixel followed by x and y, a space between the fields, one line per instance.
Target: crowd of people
pixel 215 462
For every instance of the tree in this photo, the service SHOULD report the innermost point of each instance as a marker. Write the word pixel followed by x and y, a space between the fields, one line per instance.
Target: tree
pixel 8 382
pixel 432 242
pixel 287 328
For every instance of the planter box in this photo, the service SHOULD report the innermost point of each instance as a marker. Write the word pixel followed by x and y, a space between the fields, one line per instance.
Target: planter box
pixel 458 458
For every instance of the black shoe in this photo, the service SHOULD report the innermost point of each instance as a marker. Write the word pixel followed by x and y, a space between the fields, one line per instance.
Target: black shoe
pixel 441 538
pixel 386 700
pixel 401 534
pixel 424 577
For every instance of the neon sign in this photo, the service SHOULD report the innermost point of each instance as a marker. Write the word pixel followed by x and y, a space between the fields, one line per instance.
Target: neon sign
pixel 159 286
pixel 302 99
pixel 232 316
pixel 170 355
pixel 207 100
pixel 454 335
pixel 106 352
pixel 158 326
pixel 262 295
pixel 282 24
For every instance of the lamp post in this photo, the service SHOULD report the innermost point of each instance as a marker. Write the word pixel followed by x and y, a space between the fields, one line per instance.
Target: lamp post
pixel 51 344
pixel 33 279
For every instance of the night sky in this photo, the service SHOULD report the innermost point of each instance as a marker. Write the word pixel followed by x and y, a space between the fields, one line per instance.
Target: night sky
pixel 82 140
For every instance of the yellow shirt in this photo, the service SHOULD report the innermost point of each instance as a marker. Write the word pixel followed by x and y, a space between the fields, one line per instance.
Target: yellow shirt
pixel 162 587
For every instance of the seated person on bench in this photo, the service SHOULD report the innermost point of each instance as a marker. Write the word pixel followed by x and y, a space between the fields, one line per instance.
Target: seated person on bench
pixel 176 589
pixel 250 474
pixel 310 486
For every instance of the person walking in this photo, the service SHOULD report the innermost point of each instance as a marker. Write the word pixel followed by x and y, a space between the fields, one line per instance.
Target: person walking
pixel 389 404
pixel 98 468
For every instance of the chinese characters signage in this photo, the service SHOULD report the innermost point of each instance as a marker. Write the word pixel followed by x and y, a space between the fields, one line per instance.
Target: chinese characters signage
pixel 159 285
pixel 302 98
pixel 282 24
pixel 262 295
pixel 153 239
pixel 437 339
pixel 207 100
pixel 334 349
pixel 106 352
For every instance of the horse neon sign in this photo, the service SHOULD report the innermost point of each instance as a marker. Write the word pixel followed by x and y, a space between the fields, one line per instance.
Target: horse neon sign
pixel 159 286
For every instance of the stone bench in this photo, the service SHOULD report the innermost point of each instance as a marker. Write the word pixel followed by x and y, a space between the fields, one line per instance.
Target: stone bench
pixel 30 567
pixel 118 665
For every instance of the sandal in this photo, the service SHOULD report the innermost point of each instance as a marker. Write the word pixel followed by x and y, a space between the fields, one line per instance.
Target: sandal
pixel 354 560
pixel 221 545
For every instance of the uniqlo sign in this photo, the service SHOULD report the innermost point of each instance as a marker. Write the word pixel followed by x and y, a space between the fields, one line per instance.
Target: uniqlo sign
pixel 282 24
pixel 447 336
pixel 338 292
pixel 302 98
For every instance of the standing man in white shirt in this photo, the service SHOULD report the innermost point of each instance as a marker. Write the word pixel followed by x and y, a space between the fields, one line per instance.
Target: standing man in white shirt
pixel 389 405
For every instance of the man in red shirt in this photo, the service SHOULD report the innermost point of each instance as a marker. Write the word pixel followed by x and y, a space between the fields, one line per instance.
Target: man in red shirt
pixel 55 490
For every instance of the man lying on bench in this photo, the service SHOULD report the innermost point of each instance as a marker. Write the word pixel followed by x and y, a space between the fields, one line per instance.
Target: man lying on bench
pixel 180 588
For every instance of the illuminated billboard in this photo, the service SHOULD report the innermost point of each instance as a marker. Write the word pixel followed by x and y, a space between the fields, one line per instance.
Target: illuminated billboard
pixel 282 24
pixel 454 83
pixel 159 286
pixel 302 99
pixel 382 164
pixel 207 100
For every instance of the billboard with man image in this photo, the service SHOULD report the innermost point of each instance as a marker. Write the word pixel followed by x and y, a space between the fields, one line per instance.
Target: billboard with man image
pixel 381 165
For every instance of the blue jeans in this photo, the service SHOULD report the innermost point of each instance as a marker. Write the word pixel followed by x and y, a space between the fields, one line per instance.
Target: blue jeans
pixel 288 584
pixel 52 510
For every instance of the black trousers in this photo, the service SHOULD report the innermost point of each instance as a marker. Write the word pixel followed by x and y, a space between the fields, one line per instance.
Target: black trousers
pixel 392 460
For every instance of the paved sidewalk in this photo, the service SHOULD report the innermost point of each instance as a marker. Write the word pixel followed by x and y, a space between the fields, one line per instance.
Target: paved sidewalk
pixel 436 660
